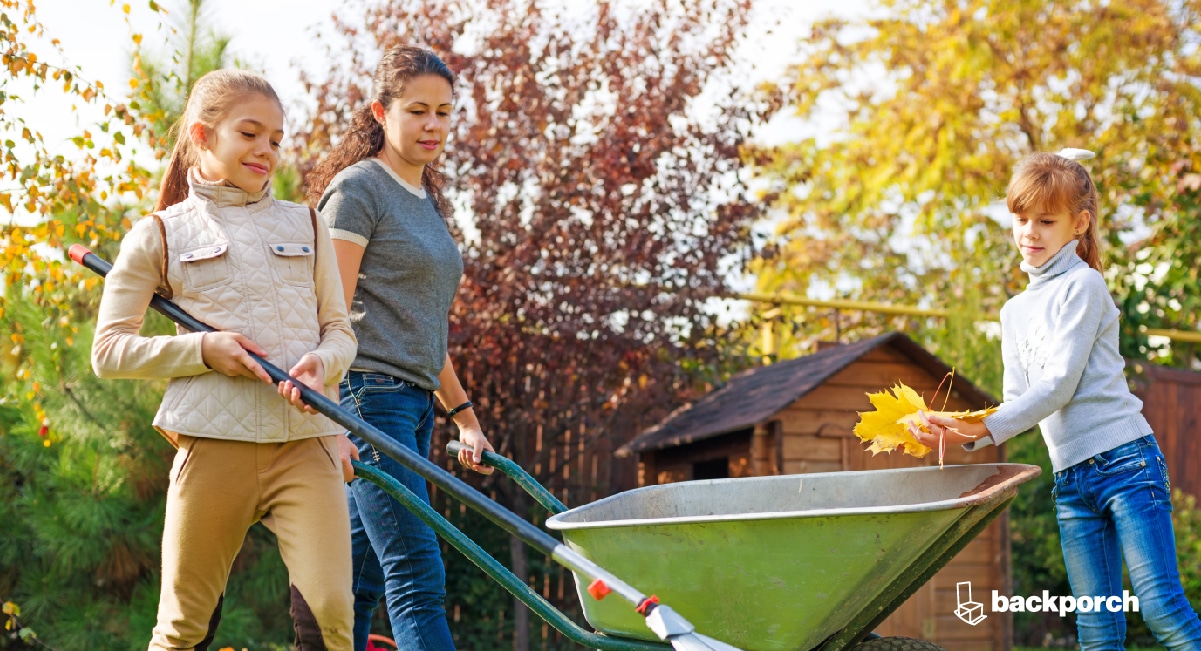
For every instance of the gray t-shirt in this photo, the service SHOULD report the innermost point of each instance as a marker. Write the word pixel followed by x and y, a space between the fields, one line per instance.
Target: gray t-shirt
pixel 409 274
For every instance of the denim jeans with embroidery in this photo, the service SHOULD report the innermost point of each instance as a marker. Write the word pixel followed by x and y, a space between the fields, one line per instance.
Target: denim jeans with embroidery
pixel 395 555
pixel 1116 506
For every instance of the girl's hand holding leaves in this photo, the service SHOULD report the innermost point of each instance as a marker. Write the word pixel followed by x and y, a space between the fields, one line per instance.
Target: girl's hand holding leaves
pixel 902 420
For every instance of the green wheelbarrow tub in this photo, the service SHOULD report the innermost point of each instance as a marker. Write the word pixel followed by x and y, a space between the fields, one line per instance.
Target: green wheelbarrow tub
pixel 784 562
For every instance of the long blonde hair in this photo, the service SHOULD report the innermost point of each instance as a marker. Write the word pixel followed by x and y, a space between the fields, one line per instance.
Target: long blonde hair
pixel 1052 183
pixel 211 98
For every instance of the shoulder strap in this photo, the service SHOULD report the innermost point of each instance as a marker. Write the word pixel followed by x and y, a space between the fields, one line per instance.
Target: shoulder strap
pixel 313 219
pixel 164 288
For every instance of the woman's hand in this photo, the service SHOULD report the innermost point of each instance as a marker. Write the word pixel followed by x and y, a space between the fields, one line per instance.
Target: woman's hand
pixel 346 452
pixel 309 371
pixel 945 431
pixel 226 353
pixel 474 438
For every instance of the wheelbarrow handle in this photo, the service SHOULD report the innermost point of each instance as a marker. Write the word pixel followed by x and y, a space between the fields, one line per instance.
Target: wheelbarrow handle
pixel 514 472
pixel 444 480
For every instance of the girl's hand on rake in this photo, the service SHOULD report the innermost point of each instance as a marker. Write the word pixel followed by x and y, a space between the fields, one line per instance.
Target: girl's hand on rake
pixel 309 371
pixel 226 353
pixel 474 438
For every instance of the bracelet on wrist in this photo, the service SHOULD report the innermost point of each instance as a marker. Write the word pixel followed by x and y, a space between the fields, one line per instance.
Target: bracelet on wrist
pixel 451 413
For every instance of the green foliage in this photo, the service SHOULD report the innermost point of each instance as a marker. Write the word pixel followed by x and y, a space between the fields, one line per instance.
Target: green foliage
pixel 85 507
pixel 163 85
pixel 1158 284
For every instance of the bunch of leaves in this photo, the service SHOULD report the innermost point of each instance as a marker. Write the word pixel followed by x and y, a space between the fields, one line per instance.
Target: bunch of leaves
pixel 14 628
pixel 596 167
pixel 889 427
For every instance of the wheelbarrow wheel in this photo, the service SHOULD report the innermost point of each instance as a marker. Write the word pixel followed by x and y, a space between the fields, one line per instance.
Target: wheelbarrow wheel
pixel 896 644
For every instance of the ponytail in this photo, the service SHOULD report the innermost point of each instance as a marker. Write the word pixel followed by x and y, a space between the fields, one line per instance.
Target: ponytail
pixel 174 186
pixel 1089 244
pixel 364 139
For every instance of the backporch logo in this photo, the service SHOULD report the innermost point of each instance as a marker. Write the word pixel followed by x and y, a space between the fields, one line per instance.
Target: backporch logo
pixel 972 612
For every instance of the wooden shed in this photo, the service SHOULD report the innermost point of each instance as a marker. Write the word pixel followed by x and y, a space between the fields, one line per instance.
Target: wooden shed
pixel 797 416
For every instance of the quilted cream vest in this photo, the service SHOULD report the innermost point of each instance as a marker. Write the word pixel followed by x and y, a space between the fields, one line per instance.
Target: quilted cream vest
pixel 244 263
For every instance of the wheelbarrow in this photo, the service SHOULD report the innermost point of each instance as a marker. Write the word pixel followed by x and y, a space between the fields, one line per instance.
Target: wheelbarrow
pixel 781 563
pixel 789 563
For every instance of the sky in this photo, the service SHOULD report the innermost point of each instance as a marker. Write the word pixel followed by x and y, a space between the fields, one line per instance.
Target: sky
pixel 268 35
pixel 275 37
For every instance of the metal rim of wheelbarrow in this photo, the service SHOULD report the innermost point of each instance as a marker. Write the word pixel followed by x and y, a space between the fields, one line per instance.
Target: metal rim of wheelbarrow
pixel 559 522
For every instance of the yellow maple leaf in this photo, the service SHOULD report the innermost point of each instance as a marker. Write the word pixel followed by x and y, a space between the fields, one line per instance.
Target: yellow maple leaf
pixel 887 428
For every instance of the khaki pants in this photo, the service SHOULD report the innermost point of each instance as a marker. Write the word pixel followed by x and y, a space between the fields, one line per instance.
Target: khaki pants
pixel 218 490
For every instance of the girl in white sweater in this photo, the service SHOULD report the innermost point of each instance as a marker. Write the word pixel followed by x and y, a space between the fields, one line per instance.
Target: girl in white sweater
pixel 1059 344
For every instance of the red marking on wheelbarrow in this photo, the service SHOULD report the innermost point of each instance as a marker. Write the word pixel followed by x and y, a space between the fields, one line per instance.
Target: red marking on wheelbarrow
pixel 598 589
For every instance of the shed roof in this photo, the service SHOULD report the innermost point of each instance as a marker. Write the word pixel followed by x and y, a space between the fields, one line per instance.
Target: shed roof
pixel 757 394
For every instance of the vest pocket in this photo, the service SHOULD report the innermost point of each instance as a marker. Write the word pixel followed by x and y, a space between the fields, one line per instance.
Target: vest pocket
pixel 293 262
pixel 205 267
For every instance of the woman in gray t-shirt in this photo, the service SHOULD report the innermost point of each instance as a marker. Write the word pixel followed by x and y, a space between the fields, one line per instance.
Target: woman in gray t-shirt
pixel 400 270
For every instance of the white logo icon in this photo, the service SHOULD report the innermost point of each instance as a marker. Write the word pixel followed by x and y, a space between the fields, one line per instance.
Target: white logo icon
pixel 971 612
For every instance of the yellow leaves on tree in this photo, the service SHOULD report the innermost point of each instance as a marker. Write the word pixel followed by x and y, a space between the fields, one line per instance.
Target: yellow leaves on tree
pixel 887 428
pixel 77 188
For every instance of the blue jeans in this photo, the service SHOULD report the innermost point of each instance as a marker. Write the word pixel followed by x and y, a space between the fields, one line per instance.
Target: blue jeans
pixel 1116 506
pixel 394 554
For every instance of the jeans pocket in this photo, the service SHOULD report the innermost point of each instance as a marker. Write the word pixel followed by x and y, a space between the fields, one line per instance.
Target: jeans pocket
pixel 362 385
pixel 380 382
pixel 1163 471
pixel 1120 460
